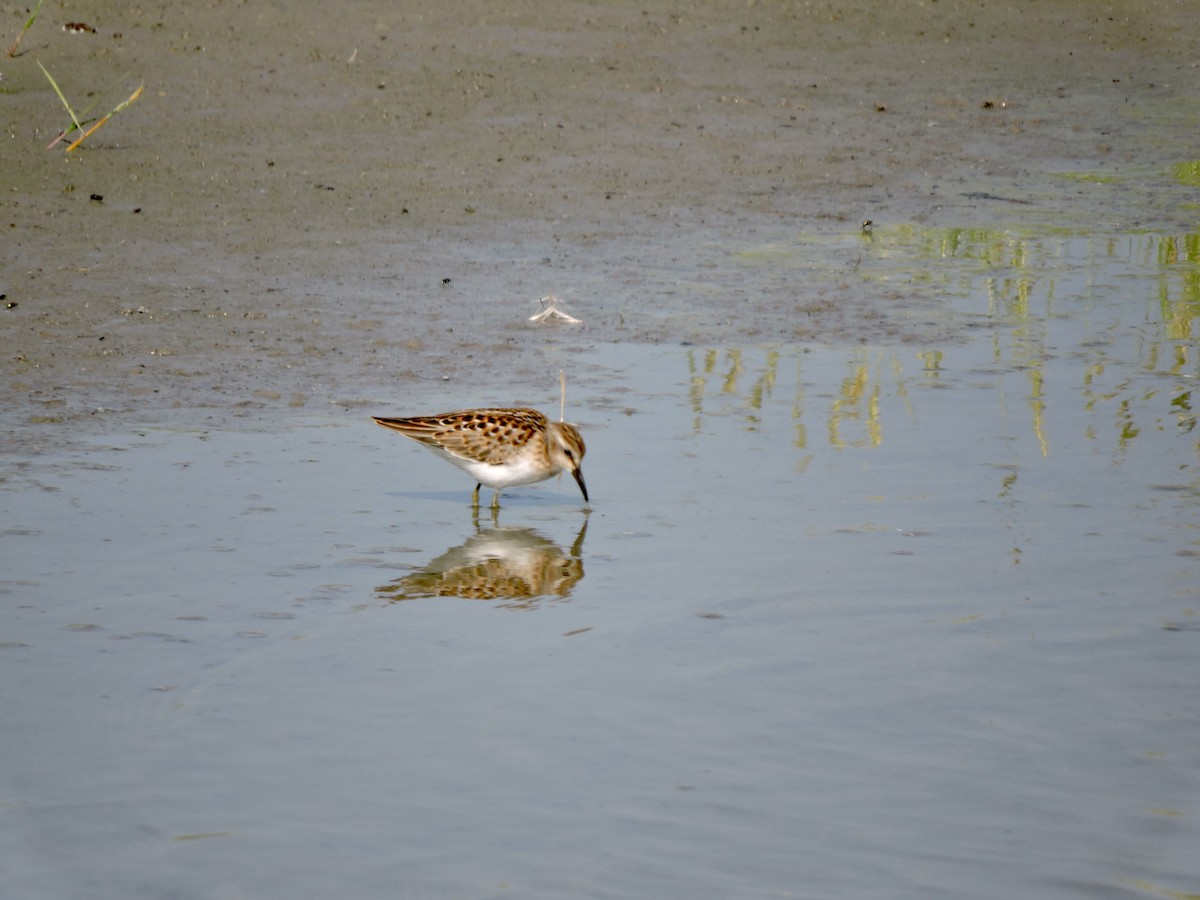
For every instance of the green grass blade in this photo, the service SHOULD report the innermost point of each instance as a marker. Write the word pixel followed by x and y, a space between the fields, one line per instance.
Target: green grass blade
pixel 12 51
pixel 33 15
pixel 57 90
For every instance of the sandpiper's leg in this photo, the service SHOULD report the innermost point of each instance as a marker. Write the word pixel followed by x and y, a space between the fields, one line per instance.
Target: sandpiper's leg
pixel 475 497
pixel 496 501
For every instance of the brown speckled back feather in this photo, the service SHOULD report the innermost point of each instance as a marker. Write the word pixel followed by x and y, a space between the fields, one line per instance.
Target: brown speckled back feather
pixel 472 434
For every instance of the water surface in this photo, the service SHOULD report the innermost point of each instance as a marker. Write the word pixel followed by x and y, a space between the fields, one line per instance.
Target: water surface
pixel 844 621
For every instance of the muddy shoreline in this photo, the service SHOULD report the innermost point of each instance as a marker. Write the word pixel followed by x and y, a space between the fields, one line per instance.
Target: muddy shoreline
pixel 313 211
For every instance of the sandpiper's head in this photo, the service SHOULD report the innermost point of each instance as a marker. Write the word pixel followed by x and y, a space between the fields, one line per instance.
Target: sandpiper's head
pixel 566 451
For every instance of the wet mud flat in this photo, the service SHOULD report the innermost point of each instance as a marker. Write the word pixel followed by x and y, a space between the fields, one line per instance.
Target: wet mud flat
pixel 307 208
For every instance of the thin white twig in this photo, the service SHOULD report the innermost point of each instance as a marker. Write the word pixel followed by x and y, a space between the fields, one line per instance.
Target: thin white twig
pixel 551 311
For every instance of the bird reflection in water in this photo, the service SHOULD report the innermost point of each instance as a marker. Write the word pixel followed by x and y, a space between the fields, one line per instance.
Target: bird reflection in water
pixel 501 562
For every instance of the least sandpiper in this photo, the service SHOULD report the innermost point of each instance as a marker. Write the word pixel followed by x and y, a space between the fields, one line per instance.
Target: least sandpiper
pixel 499 447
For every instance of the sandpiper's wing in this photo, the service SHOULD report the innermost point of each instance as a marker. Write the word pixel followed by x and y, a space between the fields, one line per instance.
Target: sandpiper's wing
pixel 489 436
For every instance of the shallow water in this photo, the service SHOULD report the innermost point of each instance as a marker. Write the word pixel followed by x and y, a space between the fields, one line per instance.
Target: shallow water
pixel 901 621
